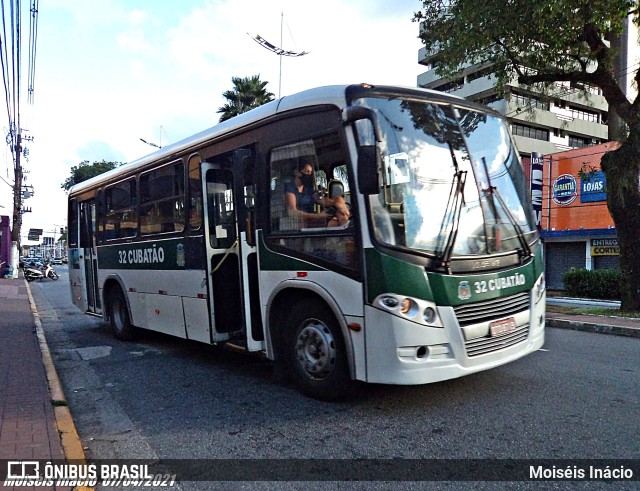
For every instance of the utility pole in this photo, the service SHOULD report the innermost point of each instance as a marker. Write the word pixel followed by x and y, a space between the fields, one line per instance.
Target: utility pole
pixel 17 193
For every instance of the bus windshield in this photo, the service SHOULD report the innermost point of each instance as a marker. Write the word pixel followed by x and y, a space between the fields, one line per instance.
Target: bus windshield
pixel 451 181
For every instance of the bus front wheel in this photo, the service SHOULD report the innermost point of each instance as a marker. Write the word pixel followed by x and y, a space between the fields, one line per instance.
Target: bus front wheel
pixel 316 352
pixel 119 316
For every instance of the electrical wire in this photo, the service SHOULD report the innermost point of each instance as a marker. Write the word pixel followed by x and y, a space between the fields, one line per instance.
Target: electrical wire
pixel 33 43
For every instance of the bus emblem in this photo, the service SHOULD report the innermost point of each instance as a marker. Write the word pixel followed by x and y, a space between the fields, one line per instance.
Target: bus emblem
pixel 464 292
pixel 180 255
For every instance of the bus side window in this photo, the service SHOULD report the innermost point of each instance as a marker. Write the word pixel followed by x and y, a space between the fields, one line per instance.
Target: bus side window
pixel 162 195
pixel 121 219
pixel 221 215
pixel 330 236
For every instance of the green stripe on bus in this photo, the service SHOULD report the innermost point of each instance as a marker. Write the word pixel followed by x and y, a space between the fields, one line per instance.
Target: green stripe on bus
pixel 387 274
pixel 464 289
pixel 162 254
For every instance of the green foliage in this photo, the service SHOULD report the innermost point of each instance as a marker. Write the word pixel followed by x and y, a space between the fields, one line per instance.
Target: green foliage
pixel 247 93
pixel 84 170
pixel 598 283
pixel 556 40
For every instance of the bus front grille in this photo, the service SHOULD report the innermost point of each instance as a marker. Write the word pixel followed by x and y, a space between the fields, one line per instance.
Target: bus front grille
pixel 489 310
pixel 487 344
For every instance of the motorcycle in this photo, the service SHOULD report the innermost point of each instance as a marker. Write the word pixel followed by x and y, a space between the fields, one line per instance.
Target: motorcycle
pixel 33 273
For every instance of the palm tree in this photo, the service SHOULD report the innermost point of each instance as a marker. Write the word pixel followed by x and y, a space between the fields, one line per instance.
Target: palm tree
pixel 247 93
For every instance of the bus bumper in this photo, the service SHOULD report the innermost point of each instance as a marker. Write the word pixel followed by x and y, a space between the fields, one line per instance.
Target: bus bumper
pixel 405 353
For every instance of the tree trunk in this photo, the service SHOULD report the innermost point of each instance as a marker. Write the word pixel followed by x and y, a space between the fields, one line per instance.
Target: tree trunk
pixel 622 168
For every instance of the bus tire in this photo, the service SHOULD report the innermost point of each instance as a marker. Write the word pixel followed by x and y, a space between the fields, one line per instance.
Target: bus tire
pixel 315 352
pixel 119 316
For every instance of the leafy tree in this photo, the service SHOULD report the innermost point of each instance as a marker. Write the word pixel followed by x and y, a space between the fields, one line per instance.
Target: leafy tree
pixel 84 170
pixel 545 41
pixel 247 93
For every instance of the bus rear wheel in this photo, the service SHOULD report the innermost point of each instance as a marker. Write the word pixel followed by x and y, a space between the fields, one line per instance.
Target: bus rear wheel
pixel 316 352
pixel 119 316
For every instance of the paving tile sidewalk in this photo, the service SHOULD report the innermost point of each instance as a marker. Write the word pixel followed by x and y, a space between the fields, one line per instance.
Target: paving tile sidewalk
pixel 27 417
pixel 621 326
pixel 29 424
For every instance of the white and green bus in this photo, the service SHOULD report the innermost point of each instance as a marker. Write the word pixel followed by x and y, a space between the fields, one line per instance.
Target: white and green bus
pixel 436 274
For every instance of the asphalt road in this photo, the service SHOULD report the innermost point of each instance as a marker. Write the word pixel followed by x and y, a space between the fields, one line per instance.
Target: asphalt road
pixel 160 397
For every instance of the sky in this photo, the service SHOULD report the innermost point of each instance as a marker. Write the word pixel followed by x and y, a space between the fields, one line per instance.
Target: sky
pixel 109 73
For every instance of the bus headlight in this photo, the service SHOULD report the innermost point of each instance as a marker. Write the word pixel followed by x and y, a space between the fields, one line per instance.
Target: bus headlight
pixel 413 309
pixel 429 315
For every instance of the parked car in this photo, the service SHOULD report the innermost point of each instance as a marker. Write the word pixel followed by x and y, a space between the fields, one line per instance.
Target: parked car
pixel 56 260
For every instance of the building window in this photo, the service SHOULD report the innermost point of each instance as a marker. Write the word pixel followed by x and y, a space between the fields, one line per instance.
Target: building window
pixel 490 99
pixel 580 141
pixel 584 115
pixel 526 101
pixel 530 132
pixel 451 86
pixel 485 72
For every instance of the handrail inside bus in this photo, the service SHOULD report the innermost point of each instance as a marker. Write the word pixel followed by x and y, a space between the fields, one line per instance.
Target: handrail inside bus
pixel 235 243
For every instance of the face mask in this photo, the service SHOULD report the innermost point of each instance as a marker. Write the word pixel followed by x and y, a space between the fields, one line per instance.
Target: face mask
pixel 307 179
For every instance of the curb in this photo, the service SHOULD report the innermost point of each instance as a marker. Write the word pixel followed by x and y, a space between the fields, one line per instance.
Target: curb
pixel 632 332
pixel 71 444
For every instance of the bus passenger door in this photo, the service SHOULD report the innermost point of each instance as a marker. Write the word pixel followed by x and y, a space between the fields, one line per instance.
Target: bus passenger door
pixel 89 256
pixel 231 257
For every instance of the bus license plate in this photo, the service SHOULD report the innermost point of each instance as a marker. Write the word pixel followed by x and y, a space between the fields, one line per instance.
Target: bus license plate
pixel 501 327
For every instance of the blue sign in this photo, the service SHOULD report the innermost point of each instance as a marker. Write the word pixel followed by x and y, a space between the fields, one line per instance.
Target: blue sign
pixel 564 189
pixel 537 161
pixel 593 187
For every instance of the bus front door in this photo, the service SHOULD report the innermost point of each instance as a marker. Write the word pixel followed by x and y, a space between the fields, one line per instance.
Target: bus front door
pixel 231 252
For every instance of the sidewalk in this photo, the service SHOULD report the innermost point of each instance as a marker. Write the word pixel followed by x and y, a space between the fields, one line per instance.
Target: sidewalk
pixel 35 422
pixel 620 326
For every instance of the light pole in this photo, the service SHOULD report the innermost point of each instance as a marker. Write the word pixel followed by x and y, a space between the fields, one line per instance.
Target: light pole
pixel 278 50
pixel 150 143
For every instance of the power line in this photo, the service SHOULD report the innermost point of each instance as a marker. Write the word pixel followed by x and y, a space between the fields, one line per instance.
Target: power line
pixel 11 65
pixel 33 43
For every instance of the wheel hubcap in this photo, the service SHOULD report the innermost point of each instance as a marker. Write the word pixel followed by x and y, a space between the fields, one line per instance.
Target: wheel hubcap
pixel 316 349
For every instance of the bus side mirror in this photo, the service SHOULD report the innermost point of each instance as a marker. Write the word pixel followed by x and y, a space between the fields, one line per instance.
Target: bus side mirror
pixel 368 155
pixel 368 160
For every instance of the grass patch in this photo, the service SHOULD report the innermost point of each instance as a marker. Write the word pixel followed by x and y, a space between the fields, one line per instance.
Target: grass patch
pixel 58 403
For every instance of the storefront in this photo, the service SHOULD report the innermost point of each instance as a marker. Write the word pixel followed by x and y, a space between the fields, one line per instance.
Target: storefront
pixel 570 202
pixel 5 243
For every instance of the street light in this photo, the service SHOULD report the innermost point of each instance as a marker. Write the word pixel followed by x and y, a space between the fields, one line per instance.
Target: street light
pixel 149 143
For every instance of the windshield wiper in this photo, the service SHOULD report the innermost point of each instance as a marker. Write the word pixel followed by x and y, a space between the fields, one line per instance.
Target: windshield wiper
pixel 525 251
pixel 452 212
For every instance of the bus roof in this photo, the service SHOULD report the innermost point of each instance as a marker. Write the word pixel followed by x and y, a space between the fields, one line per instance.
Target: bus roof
pixel 327 95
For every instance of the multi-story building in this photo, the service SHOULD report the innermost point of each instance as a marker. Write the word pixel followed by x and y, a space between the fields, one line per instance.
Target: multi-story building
pixel 565 121
pixel 568 120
